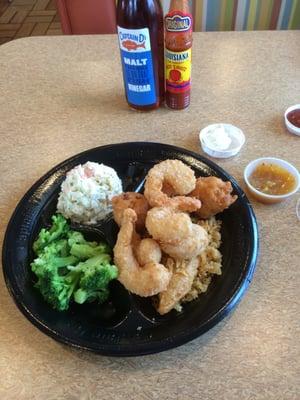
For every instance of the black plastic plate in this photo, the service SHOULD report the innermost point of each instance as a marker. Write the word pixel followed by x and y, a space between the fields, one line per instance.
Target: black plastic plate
pixel 128 325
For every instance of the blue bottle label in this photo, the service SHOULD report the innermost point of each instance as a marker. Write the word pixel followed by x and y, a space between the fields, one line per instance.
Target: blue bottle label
pixel 137 66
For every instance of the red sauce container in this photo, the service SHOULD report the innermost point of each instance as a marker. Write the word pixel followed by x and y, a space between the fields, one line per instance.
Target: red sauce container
pixel 292 119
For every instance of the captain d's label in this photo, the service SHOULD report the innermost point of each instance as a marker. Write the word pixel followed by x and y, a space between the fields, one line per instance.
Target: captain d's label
pixel 137 66
pixel 178 67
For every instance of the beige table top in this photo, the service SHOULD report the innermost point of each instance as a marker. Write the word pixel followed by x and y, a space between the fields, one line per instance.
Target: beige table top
pixel 62 95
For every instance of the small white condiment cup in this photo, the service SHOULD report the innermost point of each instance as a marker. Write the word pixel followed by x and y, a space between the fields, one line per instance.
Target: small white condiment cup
pixel 235 134
pixel 291 127
pixel 268 198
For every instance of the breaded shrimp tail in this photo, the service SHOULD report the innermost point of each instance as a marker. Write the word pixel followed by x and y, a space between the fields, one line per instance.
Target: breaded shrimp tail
pixel 180 284
pixel 146 280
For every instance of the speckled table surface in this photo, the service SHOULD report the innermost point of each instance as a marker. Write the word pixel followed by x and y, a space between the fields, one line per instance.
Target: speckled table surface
pixel 62 95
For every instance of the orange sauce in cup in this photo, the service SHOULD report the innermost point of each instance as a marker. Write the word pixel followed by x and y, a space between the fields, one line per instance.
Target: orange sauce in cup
pixel 272 179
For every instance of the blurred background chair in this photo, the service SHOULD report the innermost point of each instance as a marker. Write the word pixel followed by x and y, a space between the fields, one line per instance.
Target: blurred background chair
pixel 98 16
pixel 87 16
pixel 239 15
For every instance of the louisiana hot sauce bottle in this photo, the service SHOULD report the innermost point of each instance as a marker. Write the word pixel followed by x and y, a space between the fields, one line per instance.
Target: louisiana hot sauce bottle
pixel 141 39
pixel 178 54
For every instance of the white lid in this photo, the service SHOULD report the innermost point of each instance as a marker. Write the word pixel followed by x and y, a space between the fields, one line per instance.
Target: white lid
pixel 290 127
pixel 221 140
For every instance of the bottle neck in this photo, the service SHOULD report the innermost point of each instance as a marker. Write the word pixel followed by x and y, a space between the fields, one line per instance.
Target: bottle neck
pixel 180 5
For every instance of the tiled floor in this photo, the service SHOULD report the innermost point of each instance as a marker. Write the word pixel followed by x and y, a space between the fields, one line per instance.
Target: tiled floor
pixel 20 18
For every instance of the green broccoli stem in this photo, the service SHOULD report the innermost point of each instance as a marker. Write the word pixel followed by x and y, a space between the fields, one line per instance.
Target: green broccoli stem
pixel 60 262
pixel 72 280
pixel 80 296
pixel 85 251
pixel 98 259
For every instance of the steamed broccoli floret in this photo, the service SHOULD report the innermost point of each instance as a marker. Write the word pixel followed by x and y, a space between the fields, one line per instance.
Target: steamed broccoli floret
pixel 57 290
pixel 61 247
pixel 96 275
pixel 59 228
pixel 75 237
pixel 68 266
pixel 55 283
pixel 51 258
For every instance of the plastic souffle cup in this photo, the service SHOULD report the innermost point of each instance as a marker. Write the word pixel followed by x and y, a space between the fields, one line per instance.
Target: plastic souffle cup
pixel 221 140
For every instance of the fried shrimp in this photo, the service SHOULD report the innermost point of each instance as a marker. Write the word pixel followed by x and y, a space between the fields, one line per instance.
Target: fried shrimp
pixel 147 280
pixel 214 194
pixel 175 232
pixel 190 247
pixel 147 251
pixel 167 225
pixel 174 177
pixel 184 273
pixel 136 202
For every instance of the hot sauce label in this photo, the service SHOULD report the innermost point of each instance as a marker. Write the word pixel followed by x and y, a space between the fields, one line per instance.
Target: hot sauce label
pixel 176 21
pixel 137 64
pixel 178 70
pixel 178 63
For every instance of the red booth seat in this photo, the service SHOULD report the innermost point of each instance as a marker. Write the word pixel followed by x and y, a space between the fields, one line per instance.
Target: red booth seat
pixel 87 16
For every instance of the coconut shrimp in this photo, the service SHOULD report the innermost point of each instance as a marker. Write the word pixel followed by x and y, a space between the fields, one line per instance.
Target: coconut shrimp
pixel 176 178
pixel 144 280
pixel 214 194
pixel 175 232
pixel 183 275
pixel 135 201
